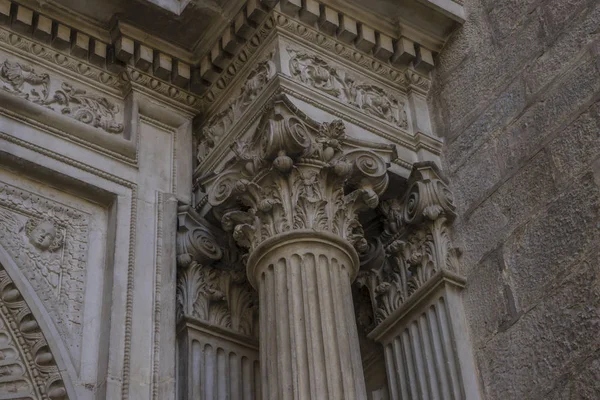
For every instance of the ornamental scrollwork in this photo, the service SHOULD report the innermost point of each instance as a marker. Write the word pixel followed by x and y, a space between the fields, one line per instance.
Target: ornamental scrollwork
pixel 414 245
pixel 297 174
pixel 22 80
pixel 211 283
pixel 314 71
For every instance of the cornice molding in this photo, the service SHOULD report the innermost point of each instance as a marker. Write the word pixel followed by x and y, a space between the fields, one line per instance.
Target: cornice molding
pixel 194 79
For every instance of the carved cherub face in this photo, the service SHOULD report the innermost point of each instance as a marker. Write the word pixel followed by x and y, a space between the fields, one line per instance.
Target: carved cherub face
pixel 43 235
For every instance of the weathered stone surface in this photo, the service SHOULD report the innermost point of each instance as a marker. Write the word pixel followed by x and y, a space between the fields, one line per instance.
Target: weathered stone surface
pixel 528 133
pixel 577 145
pixel 568 45
pixel 526 192
pixel 489 303
pixel 480 232
pixel 523 142
pixel 476 177
pixel 581 382
pixel 500 113
pixel 521 362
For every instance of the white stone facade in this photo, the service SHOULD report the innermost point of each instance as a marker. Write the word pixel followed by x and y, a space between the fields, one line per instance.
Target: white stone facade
pixel 232 200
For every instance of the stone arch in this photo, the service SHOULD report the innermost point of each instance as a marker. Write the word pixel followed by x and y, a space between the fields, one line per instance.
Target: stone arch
pixel 33 361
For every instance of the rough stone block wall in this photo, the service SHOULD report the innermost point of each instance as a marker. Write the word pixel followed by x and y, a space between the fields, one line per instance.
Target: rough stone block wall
pixel 517 100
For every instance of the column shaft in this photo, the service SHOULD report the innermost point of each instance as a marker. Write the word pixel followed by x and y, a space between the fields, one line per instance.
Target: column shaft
pixel 308 335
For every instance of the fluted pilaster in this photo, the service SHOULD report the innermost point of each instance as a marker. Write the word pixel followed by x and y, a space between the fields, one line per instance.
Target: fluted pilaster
pixel 217 332
pixel 417 310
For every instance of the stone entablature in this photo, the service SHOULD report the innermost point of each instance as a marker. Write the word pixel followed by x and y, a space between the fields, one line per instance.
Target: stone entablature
pixel 175 72
pixel 366 72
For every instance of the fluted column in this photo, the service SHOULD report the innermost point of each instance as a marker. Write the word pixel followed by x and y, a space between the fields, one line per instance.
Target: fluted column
pixel 309 342
pixel 291 197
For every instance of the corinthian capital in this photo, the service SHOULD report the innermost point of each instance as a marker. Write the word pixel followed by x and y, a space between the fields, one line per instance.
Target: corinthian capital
pixel 211 284
pixel 415 244
pixel 297 174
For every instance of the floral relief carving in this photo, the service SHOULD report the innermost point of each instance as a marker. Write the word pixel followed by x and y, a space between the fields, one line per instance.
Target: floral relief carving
pixel 22 80
pixel 211 283
pixel 49 242
pixel 371 99
pixel 414 245
pixel 27 367
pixel 218 124
pixel 296 175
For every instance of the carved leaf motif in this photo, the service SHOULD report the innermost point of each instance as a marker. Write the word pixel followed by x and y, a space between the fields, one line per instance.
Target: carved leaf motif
pixel 310 214
pixel 315 71
pixel 219 297
pixel 298 187
pixel 417 241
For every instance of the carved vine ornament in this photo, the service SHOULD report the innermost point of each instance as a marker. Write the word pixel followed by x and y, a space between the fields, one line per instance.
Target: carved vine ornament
pixel 371 99
pixel 22 80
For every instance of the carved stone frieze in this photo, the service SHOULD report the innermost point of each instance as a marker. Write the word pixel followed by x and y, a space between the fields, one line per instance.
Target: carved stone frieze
pixel 27 367
pixel 414 246
pixel 219 123
pixel 49 242
pixel 314 71
pixel 211 283
pixel 22 80
pixel 47 54
pixel 341 49
pixel 296 174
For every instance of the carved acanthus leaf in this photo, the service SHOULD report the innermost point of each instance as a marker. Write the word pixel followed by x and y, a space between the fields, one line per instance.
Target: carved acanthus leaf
pixel 211 284
pixel 314 71
pixel 415 244
pixel 22 80
pixel 297 175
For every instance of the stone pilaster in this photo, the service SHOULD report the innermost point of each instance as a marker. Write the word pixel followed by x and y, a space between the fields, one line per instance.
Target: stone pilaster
pixel 291 196
pixel 411 276
pixel 217 322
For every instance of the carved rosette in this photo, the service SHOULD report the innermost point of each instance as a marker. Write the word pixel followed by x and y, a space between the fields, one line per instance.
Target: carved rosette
pixel 414 246
pixel 297 175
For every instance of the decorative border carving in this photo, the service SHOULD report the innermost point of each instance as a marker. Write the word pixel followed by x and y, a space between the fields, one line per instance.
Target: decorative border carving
pixel 132 239
pixel 38 356
pixel 62 300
